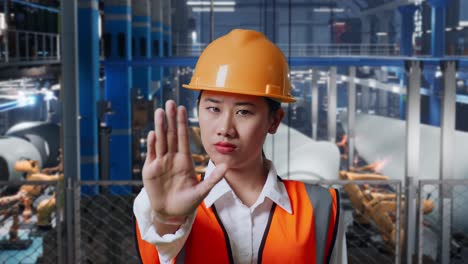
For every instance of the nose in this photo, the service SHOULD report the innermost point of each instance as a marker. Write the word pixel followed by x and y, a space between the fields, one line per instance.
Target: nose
pixel 226 127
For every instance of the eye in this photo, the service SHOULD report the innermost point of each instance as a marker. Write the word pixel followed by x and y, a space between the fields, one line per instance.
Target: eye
pixel 244 112
pixel 213 109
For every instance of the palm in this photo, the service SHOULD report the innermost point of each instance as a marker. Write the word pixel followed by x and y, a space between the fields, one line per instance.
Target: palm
pixel 168 174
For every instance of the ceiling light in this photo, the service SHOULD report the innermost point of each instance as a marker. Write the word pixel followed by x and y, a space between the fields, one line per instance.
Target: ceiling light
pixel 327 10
pixel 3 24
pixel 215 9
pixel 463 23
pixel 208 3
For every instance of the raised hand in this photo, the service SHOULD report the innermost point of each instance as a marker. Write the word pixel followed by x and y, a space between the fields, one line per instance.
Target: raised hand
pixel 168 173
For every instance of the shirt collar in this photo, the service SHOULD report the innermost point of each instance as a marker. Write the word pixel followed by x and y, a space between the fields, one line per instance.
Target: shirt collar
pixel 273 189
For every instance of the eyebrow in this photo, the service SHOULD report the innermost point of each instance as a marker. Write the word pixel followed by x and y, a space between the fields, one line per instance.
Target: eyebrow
pixel 237 103
pixel 245 103
pixel 212 100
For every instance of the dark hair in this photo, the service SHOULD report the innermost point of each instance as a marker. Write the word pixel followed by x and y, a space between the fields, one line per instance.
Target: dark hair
pixel 273 105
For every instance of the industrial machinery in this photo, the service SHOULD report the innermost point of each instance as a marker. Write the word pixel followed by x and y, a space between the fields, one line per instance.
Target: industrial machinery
pixel 25 209
pixel 29 140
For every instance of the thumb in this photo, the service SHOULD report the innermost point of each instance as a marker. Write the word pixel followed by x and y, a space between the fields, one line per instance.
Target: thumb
pixel 204 187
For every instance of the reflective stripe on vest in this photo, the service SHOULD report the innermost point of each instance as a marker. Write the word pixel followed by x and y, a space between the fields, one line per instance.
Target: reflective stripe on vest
pixel 322 202
pixel 288 238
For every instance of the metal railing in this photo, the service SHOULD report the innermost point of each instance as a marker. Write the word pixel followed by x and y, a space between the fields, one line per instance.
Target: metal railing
pixel 105 229
pixel 443 234
pixel 308 50
pixel 27 46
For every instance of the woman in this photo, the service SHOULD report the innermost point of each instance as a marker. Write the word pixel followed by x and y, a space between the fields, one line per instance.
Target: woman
pixel 241 211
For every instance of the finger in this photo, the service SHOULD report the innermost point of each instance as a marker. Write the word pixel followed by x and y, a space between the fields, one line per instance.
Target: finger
pixel 171 126
pixel 150 145
pixel 204 187
pixel 182 133
pixel 161 142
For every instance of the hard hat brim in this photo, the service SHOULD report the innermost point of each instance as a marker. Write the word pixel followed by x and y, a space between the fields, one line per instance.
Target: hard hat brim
pixel 282 99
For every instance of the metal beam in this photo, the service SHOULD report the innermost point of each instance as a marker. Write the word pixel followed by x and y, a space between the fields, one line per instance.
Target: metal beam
pixel 351 114
pixel 447 155
pixel 301 61
pixel 70 122
pixel 50 9
pixel 387 6
pixel 332 97
pixel 413 113
pixel 315 103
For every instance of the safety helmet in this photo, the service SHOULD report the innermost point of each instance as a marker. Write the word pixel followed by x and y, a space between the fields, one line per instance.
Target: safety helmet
pixel 243 62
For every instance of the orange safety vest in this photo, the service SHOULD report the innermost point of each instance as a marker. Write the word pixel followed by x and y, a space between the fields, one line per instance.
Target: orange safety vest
pixel 289 238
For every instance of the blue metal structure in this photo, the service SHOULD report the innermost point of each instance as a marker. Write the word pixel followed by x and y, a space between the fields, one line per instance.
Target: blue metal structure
pixel 157 40
pixel 167 28
pixel 438 27
pixel 117 23
pixel 88 52
pixel 304 61
pixel 407 28
pixel 437 50
pixel 141 26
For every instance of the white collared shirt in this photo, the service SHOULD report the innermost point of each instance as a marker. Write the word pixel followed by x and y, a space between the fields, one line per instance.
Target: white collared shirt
pixel 245 226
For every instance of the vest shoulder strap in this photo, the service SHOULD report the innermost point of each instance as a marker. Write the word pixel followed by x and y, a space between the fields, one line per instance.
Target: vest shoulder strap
pixel 325 214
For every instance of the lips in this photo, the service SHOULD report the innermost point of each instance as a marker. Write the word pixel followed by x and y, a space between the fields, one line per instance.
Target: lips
pixel 225 147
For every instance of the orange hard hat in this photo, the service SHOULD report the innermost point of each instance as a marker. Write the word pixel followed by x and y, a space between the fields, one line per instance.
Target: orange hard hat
pixel 243 62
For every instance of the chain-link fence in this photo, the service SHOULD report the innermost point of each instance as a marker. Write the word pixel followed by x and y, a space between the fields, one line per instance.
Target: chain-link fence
pixel 370 212
pixel 30 230
pixel 443 233
pixel 373 213
pixel 105 226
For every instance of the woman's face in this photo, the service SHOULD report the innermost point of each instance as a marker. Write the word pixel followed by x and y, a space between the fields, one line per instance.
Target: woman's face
pixel 233 127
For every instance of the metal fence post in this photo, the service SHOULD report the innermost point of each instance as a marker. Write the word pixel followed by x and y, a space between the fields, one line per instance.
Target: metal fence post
pixel 332 104
pixel 413 110
pixel 17 51
pixel 446 156
pixel 58 47
pixel 77 216
pixel 315 103
pixel 44 45
pixel 70 122
pixel 420 220
pixel 6 32
pixel 398 225
pixel 58 220
pixel 27 46
pixel 351 114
